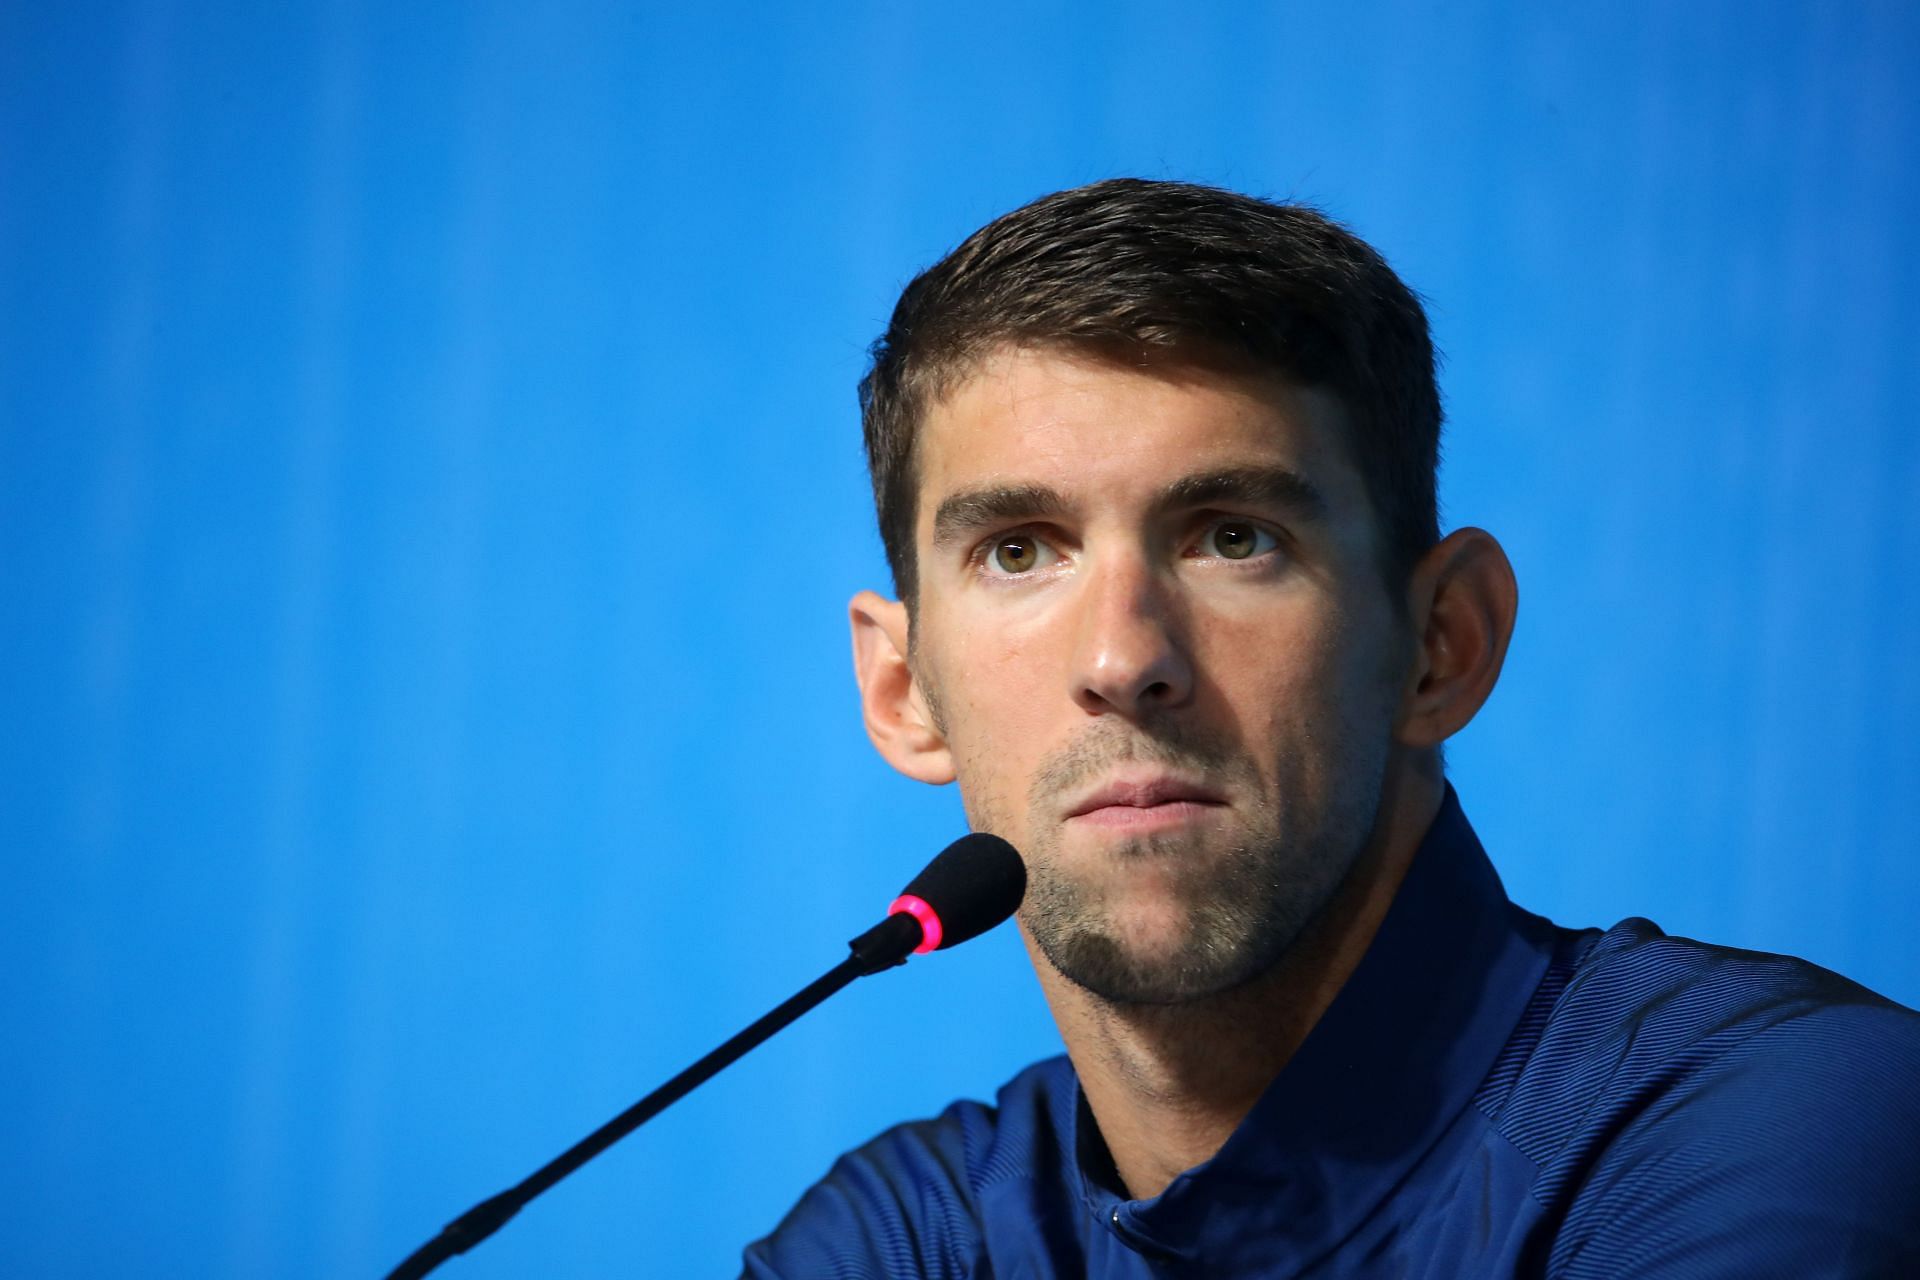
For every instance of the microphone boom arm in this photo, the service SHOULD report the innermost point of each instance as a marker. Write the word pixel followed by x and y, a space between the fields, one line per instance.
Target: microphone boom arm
pixel 882 947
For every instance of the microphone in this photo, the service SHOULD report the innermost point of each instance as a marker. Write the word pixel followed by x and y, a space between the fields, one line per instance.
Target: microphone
pixel 972 885
pixel 969 887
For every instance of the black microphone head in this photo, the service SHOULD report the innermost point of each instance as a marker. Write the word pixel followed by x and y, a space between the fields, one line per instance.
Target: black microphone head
pixel 970 886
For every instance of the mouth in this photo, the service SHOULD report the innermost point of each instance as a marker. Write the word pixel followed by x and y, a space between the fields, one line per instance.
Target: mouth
pixel 1144 804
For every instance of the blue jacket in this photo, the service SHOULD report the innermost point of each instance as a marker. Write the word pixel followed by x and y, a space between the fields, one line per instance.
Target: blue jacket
pixel 1489 1095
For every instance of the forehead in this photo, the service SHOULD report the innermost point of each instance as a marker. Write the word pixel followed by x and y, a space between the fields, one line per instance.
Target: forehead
pixel 1096 430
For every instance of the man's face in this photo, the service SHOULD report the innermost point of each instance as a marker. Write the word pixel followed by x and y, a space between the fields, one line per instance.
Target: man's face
pixel 1153 632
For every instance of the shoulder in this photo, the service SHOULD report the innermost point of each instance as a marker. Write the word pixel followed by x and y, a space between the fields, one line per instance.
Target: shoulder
pixel 1689 1101
pixel 1642 1010
pixel 907 1203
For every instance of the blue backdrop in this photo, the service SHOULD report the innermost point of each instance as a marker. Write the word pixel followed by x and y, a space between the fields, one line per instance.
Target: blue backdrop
pixel 429 490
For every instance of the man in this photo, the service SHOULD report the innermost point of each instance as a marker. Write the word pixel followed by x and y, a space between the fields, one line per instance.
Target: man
pixel 1155 473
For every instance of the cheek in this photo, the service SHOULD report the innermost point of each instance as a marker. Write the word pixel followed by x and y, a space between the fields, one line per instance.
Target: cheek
pixel 1000 678
pixel 1357 688
pixel 1312 682
pixel 996 711
pixel 1274 657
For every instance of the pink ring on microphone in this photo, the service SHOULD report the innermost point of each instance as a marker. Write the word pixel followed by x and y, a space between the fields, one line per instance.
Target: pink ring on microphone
pixel 929 919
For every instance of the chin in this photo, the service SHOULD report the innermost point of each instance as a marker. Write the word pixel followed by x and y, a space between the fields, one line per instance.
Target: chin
pixel 1162 922
pixel 1154 956
pixel 1152 934
pixel 1118 977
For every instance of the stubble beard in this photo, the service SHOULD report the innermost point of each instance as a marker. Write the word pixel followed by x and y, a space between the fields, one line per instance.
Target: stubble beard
pixel 1247 895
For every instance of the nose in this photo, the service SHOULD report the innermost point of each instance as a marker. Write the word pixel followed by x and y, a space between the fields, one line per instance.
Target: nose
pixel 1129 658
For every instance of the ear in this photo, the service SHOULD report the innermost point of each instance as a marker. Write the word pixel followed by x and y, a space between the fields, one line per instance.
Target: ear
pixel 896 712
pixel 1462 599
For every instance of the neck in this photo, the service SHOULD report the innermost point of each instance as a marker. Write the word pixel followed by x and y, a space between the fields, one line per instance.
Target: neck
pixel 1169 1083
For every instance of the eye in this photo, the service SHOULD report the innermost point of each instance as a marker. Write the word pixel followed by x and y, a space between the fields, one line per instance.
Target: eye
pixel 1013 554
pixel 1236 540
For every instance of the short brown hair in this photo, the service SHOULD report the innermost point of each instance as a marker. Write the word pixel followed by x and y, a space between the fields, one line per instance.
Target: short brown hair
pixel 1130 267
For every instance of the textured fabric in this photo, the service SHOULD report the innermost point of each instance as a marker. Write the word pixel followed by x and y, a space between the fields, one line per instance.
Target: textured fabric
pixel 1489 1095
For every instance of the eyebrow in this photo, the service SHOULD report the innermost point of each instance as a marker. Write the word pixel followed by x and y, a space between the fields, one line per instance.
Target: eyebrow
pixel 1271 487
pixel 974 510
